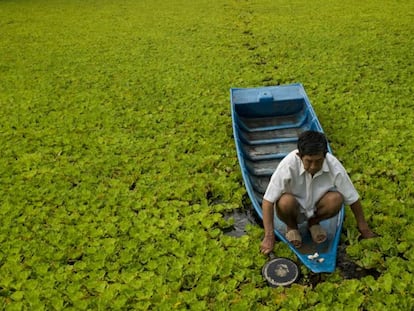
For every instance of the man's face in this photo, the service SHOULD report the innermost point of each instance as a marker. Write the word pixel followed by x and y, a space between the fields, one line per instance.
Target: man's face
pixel 313 163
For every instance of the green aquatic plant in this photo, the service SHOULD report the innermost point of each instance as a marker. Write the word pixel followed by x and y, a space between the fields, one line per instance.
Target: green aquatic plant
pixel 118 170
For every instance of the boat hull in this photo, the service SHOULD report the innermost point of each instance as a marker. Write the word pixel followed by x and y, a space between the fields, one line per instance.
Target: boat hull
pixel 266 124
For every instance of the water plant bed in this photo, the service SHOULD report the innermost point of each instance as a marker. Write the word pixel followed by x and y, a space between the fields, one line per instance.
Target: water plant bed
pixel 244 217
pixel 117 165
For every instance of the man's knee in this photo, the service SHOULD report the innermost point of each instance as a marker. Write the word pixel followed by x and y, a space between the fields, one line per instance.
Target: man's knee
pixel 334 199
pixel 287 204
pixel 330 204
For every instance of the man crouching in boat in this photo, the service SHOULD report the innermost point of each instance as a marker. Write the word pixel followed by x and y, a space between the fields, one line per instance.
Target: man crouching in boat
pixel 310 185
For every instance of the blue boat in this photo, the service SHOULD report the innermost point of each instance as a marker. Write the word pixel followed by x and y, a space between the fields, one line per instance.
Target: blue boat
pixel 266 124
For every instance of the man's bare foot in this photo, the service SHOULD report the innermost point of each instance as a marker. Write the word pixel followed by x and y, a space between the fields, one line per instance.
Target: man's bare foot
pixel 318 233
pixel 293 236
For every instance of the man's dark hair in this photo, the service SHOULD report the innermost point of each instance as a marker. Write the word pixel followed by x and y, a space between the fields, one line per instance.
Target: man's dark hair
pixel 312 143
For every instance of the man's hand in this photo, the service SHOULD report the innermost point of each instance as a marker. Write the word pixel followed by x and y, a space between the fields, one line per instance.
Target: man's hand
pixel 267 244
pixel 269 236
pixel 367 233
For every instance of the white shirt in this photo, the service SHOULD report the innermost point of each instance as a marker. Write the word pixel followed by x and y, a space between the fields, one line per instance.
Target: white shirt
pixel 291 177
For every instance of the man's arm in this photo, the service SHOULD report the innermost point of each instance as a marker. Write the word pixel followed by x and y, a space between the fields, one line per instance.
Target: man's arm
pixel 362 224
pixel 269 237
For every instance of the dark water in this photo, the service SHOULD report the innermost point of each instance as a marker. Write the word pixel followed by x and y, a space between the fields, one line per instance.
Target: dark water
pixel 349 270
pixel 242 217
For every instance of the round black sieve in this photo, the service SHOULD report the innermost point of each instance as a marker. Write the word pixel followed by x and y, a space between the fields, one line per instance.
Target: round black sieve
pixel 280 271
